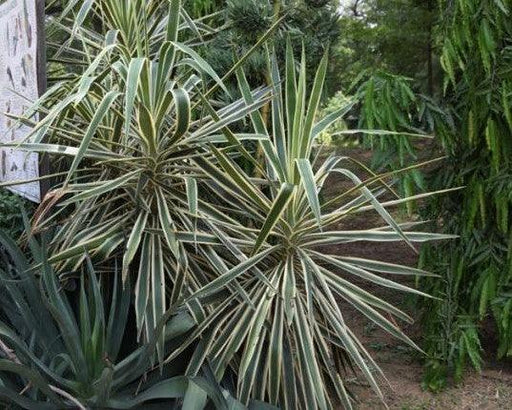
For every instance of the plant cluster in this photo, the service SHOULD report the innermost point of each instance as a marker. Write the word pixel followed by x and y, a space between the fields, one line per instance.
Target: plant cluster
pixel 198 283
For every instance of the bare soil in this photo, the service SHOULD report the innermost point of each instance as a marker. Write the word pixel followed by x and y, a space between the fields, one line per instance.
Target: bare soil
pixel 403 366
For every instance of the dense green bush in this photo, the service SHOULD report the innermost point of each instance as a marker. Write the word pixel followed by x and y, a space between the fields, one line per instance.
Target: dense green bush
pixel 10 213
pixel 477 272
pixel 398 123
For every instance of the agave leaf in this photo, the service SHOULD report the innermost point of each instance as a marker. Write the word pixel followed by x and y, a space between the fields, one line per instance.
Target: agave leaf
pixel 385 267
pixel 355 270
pixel 260 127
pixel 118 316
pixel 218 284
pixel 346 289
pixel 173 21
pixel 289 289
pixel 276 352
pixel 240 179
pixel 167 223
pixel 105 187
pixel 167 389
pixel 29 374
pixel 328 120
pixel 378 207
pixel 256 333
pixel 61 150
pixel 182 102
pixel 195 397
pixel 205 67
pixel 372 235
pixel 132 82
pixel 158 297
pixel 314 102
pixel 350 344
pixel 307 354
pixel 14 397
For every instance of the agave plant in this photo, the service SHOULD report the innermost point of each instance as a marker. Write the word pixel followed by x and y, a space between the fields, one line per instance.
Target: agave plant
pixel 55 353
pixel 58 358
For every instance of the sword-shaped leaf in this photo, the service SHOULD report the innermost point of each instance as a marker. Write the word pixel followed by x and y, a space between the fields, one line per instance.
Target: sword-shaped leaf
pixel 309 184
pixel 281 201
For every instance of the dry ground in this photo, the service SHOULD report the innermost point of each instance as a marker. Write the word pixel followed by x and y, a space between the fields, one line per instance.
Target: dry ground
pixel 492 389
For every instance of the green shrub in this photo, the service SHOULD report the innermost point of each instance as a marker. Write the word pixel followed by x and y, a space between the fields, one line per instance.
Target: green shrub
pixel 477 271
pixel 10 213
pixel 398 123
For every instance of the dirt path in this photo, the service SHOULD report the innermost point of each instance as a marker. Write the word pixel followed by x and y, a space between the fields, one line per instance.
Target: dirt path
pixel 492 389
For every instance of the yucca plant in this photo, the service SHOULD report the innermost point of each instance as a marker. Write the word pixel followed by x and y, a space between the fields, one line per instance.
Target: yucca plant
pixel 275 319
pixel 131 124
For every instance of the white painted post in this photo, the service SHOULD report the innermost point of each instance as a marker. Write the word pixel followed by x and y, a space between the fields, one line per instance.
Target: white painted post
pixel 22 80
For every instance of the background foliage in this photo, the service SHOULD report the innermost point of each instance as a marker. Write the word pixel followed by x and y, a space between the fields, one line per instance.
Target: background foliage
pixel 10 213
pixel 398 36
pixel 477 271
pixel 458 54
pixel 468 110
pixel 311 24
